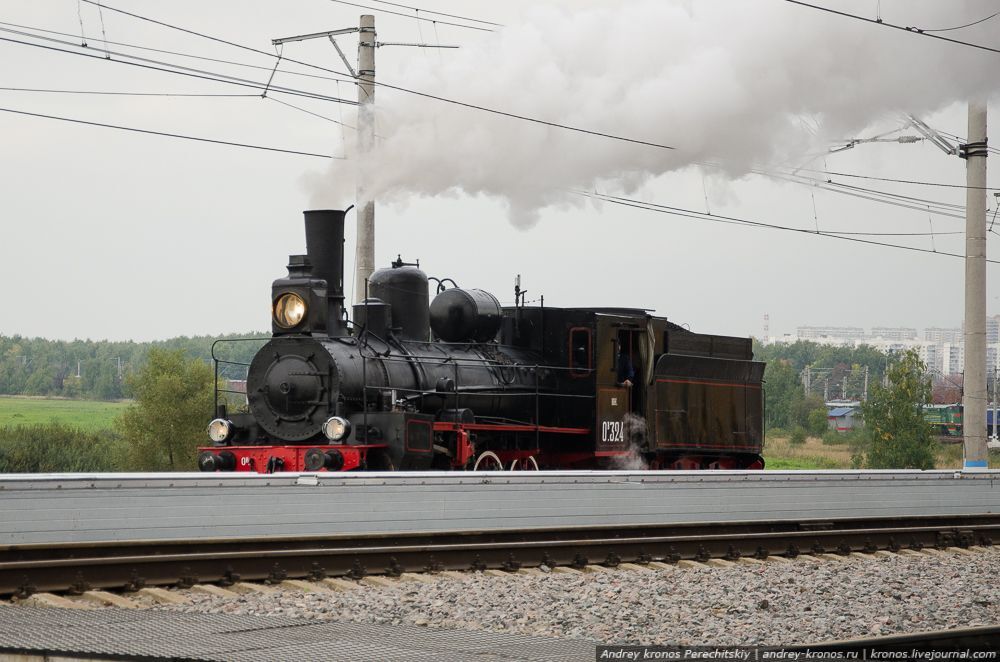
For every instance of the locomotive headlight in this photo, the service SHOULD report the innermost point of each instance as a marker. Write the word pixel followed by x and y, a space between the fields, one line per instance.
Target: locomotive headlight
pixel 289 310
pixel 219 430
pixel 336 428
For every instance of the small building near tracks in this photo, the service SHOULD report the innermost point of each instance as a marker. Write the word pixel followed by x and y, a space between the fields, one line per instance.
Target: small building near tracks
pixel 844 419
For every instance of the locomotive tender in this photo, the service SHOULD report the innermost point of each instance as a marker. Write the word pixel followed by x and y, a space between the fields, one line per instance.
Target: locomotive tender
pixel 463 383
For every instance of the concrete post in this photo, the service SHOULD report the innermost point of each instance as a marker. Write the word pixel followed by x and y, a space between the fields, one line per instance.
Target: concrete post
pixel 364 256
pixel 975 397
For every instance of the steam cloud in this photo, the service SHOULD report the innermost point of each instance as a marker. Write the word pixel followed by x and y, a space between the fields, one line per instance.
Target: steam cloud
pixel 734 82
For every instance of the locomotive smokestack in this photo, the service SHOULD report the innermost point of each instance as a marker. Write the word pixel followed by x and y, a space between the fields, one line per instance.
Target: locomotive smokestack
pixel 325 248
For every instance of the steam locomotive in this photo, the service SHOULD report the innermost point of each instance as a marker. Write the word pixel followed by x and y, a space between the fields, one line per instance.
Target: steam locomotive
pixel 461 382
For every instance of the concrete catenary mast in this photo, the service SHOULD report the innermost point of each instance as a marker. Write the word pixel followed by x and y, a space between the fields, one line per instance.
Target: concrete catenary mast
pixel 364 254
pixel 975 396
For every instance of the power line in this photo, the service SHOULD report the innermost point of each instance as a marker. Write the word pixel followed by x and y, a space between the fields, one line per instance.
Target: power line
pixel 190 32
pixel 895 196
pixel 309 112
pixel 898 200
pixel 125 94
pixel 527 119
pixel 419 18
pixel 443 99
pixel 174 94
pixel 173 69
pixel 967 25
pixel 872 195
pixel 438 13
pixel 165 134
pixel 879 21
pixel 732 220
pixel 169 52
pixel 898 181
pixel 391 87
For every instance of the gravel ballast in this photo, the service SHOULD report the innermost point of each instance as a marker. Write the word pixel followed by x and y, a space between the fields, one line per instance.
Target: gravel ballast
pixel 800 602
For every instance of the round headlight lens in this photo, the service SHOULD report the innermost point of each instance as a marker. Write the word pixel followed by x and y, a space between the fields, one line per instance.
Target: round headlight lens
pixel 336 428
pixel 219 430
pixel 289 310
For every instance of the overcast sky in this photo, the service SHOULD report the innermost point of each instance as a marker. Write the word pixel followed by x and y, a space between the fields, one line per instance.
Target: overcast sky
pixel 109 234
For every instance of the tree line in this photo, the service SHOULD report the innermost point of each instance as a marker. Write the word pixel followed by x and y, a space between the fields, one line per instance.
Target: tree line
pixel 895 435
pixel 99 369
pixel 787 405
pixel 161 429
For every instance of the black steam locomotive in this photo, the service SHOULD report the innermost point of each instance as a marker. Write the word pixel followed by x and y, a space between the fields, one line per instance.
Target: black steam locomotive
pixel 462 383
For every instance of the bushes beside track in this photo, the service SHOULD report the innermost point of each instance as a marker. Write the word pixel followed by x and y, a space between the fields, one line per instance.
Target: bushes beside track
pixel 58 448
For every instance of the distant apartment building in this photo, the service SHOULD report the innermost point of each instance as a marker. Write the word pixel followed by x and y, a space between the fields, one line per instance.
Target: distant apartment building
pixel 952 358
pixel 942 349
pixel 930 354
pixel 894 333
pixel 838 332
pixel 937 334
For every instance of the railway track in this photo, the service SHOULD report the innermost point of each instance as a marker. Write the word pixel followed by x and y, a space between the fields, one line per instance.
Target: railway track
pixel 984 638
pixel 128 566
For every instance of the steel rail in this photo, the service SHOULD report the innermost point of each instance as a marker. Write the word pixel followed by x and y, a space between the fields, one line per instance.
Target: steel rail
pixel 980 638
pixel 68 567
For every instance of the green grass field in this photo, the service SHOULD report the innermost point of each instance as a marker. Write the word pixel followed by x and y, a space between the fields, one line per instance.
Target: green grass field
pixel 781 463
pixel 84 414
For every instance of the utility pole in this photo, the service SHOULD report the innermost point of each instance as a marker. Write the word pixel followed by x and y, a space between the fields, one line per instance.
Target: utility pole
pixel 364 253
pixel 975 396
pixel 993 412
pixel 864 395
pixel 807 380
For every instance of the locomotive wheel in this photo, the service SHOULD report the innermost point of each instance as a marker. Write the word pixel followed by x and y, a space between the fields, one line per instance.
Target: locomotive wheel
pixel 488 461
pixel 530 464
pixel 379 460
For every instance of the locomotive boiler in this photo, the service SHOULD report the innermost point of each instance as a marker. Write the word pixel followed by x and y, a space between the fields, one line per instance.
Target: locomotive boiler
pixel 403 382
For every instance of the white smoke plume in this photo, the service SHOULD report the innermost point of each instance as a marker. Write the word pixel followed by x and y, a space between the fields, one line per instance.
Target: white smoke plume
pixel 739 83
pixel 636 437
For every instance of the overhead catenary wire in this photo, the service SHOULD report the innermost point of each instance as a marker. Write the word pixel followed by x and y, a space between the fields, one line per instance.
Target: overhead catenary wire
pixel 896 180
pixel 165 134
pixel 398 88
pixel 177 53
pixel 899 196
pixel 309 112
pixel 448 100
pixel 126 94
pixel 419 18
pixel 79 15
pixel 865 194
pixel 811 181
pixel 438 13
pixel 176 69
pixel 879 21
pixel 104 34
pixel 732 220
pixel 967 25
pixel 257 86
